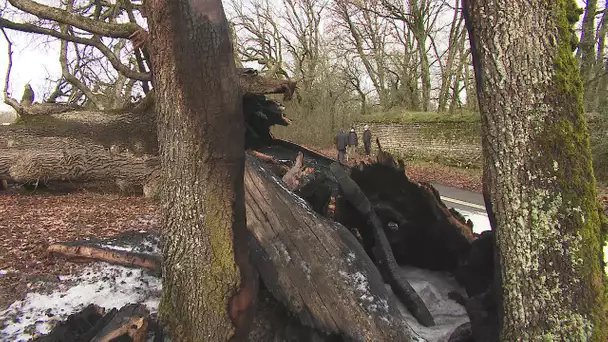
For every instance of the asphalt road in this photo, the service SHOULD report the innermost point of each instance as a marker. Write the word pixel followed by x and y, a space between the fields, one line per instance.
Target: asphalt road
pixel 461 199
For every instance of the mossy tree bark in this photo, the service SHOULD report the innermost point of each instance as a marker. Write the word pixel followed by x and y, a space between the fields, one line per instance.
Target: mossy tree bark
pixel 538 179
pixel 208 283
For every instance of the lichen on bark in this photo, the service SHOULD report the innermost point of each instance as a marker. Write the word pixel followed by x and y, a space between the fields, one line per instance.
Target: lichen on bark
pixel 538 172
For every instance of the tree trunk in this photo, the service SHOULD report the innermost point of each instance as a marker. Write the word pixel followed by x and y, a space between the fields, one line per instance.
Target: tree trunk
pixel 538 180
pixel 316 266
pixel 208 284
pixel 469 85
pixel 455 46
pixel 601 66
pixel 425 73
pixel 587 49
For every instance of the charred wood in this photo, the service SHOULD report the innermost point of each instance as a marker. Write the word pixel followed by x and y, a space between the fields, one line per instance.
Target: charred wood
pixel 93 324
pixel 381 248
pixel 421 230
pixel 130 323
pixel 309 263
pixel 78 326
pixel 462 334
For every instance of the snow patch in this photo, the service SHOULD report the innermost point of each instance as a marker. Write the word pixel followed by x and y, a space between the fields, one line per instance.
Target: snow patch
pixel 307 270
pixel 150 245
pixel 102 284
pixel 433 288
pixel 480 220
pixel 359 282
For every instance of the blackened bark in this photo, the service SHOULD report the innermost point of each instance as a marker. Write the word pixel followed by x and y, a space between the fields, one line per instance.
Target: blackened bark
pixel 206 296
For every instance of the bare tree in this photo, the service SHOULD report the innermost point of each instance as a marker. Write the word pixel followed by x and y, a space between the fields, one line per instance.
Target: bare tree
pixel 260 36
pixel 94 53
pixel 365 35
pixel 455 62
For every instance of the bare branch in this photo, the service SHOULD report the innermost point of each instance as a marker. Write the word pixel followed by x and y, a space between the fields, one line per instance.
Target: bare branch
pixel 7 98
pixel 65 71
pixel 95 42
pixel 114 30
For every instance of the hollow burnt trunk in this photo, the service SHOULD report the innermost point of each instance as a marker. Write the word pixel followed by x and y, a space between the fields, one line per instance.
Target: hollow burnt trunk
pixel 315 266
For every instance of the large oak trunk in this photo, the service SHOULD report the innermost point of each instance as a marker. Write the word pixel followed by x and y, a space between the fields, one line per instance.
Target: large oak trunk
pixel 538 180
pixel 208 283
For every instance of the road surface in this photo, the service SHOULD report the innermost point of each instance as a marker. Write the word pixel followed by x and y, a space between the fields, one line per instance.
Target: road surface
pixel 461 199
pixel 471 205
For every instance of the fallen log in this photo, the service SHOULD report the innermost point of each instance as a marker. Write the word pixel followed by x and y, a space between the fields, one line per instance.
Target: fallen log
pixel 381 248
pixel 75 164
pixel 315 266
pixel 79 250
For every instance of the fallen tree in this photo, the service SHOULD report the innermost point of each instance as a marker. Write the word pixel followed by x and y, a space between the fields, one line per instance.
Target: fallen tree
pixel 418 227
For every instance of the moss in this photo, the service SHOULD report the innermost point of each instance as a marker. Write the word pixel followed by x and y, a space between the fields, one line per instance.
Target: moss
pixel 567 136
pixel 223 272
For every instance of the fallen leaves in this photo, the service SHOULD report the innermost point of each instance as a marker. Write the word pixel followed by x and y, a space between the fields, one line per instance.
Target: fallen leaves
pixel 30 223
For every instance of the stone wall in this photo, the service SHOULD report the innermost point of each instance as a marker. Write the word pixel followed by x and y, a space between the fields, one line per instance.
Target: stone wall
pixel 8 116
pixel 459 143
pixel 452 143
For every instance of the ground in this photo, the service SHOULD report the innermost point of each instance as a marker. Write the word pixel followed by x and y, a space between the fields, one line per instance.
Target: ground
pixel 30 223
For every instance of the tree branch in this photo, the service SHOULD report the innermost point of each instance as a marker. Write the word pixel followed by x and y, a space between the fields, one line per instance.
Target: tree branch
pixel 65 71
pixel 7 98
pixel 95 42
pixel 114 30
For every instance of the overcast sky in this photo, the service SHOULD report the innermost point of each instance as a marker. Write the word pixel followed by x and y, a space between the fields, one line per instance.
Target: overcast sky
pixel 35 62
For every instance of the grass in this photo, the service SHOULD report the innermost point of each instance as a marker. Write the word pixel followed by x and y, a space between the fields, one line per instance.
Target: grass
pixel 398 115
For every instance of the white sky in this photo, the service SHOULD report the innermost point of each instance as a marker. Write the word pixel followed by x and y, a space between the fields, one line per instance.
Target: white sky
pixel 35 62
